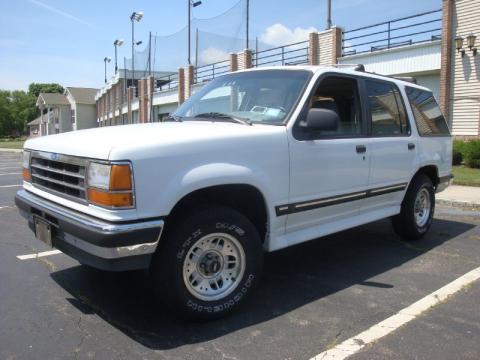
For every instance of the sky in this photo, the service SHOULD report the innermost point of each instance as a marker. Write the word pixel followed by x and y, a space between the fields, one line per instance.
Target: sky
pixel 66 41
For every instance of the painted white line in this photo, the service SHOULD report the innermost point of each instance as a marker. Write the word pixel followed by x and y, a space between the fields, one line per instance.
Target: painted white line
pixel 6 207
pixel 38 255
pixel 10 168
pixel 356 343
pixel 10 174
pixel 9 186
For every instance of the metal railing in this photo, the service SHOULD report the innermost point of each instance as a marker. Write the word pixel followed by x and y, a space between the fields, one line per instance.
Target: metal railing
pixel 210 71
pixel 291 54
pixel 167 82
pixel 408 30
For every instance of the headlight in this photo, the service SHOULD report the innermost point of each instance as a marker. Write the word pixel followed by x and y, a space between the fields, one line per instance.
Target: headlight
pixel 99 175
pixel 110 185
pixel 26 166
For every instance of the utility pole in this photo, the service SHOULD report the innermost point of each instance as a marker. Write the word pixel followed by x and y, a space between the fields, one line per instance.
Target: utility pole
pixel 329 14
pixel 248 23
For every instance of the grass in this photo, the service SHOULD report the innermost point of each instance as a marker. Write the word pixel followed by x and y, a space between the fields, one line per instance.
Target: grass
pixel 11 143
pixel 466 176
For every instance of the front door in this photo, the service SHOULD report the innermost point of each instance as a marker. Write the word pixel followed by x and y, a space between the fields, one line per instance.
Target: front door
pixel 328 170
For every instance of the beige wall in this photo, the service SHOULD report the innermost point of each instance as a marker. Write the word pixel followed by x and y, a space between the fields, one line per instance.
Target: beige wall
pixel 86 116
pixel 465 86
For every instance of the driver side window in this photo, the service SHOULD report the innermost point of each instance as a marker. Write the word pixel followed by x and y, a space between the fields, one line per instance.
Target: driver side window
pixel 339 94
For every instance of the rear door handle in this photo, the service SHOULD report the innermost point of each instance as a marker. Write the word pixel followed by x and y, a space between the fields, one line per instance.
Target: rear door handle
pixel 361 149
pixel 411 146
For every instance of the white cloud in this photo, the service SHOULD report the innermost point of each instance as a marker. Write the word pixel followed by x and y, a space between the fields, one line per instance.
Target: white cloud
pixel 60 12
pixel 278 35
pixel 212 55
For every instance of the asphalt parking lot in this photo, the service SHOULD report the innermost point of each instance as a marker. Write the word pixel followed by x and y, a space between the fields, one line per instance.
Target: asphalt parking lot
pixel 313 297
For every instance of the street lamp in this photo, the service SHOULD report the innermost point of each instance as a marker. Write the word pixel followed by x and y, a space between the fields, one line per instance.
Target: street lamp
pixel 191 4
pixel 136 16
pixel 117 43
pixel 106 60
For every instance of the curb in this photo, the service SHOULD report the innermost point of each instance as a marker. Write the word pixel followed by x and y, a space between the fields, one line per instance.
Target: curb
pixel 11 150
pixel 459 204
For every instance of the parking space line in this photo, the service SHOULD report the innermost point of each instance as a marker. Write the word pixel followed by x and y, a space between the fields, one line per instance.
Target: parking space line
pixel 38 255
pixel 10 168
pixel 10 174
pixel 9 186
pixel 356 343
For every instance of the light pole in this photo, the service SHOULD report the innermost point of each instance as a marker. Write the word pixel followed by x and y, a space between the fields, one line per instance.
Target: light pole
pixel 191 4
pixel 117 43
pixel 106 60
pixel 136 16
pixel 329 14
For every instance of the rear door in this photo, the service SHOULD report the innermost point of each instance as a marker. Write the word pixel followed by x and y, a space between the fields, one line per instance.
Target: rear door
pixel 392 148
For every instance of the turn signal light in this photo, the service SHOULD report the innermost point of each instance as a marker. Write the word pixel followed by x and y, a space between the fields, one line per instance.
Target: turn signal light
pixel 109 199
pixel 26 175
pixel 120 177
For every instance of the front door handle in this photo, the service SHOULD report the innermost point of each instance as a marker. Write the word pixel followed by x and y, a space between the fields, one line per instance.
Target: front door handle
pixel 361 149
pixel 411 146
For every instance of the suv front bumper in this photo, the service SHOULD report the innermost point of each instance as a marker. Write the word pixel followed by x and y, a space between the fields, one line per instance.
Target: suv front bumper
pixel 98 243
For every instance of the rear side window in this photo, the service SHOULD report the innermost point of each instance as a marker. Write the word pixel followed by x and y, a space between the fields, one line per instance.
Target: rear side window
pixel 387 111
pixel 429 118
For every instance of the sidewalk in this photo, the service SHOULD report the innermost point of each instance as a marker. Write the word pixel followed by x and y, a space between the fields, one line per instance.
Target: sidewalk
pixel 10 150
pixel 456 195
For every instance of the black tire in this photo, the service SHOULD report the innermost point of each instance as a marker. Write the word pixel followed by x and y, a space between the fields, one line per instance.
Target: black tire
pixel 184 232
pixel 404 223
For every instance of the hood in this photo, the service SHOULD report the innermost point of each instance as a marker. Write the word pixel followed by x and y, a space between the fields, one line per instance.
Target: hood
pixel 106 142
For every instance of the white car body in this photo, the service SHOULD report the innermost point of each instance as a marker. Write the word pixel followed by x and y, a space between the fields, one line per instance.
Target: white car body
pixel 171 160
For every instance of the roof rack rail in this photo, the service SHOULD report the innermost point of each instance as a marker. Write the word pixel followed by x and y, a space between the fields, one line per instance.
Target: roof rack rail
pixel 356 67
pixel 409 79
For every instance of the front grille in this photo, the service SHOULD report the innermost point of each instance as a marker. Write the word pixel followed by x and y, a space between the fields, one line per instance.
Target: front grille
pixel 64 176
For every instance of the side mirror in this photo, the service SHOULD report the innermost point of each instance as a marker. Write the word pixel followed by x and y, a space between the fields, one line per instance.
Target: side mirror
pixel 321 120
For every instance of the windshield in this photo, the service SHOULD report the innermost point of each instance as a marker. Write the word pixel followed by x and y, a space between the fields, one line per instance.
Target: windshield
pixel 265 96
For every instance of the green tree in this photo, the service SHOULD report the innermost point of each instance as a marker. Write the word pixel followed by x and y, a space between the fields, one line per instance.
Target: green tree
pixel 18 107
pixel 35 89
pixel 5 117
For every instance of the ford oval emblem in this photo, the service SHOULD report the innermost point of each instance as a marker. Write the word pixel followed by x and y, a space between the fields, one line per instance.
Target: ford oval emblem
pixel 54 157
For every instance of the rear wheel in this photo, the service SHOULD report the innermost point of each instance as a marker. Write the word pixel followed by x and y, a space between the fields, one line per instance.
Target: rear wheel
pixel 417 209
pixel 209 263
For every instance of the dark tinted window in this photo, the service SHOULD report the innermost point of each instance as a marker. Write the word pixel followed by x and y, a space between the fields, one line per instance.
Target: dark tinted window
pixel 429 118
pixel 386 109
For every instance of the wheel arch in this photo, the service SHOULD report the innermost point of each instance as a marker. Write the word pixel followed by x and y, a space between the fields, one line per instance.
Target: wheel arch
pixel 245 198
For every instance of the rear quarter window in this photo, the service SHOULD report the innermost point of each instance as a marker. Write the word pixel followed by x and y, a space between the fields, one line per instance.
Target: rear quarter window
pixel 428 117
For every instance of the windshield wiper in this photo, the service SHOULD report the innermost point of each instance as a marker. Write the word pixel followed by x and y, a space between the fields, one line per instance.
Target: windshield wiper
pixel 217 115
pixel 174 118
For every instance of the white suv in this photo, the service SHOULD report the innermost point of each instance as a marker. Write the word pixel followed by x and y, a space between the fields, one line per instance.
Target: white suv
pixel 255 161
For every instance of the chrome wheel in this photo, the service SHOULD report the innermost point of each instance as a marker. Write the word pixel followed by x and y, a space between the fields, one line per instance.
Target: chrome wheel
pixel 214 266
pixel 422 207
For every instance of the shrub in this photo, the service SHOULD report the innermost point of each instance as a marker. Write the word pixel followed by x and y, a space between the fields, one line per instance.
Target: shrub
pixel 458 152
pixel 472 153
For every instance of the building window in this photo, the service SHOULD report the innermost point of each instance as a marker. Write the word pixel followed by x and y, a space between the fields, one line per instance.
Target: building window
pixel 72 112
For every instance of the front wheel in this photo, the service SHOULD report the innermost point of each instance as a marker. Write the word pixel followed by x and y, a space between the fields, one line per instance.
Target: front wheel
pixel 210 262
pixel 417 209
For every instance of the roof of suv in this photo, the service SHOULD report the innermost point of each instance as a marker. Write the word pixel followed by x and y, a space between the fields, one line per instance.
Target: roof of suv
pixel 341 70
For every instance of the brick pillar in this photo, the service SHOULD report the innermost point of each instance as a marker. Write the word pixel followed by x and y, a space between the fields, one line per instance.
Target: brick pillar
pixel 336 44
pixel 313 48
pixel 181 86
pixel 189 75
pixel 247 58
pixel 233 62
pixel 130 93
pixel 149 88
pixel 141 101
pixel 446 58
